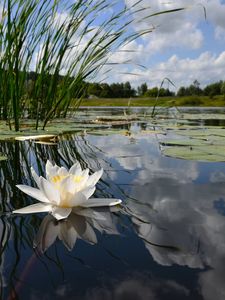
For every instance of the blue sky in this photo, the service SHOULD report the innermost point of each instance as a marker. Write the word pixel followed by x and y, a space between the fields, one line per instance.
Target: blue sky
pixel 184 46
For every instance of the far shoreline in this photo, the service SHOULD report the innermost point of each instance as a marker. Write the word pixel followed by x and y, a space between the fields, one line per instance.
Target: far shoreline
pixel 188 101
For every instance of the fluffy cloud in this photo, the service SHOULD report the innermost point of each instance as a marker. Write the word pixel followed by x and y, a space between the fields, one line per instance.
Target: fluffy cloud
pixel 171 29
pixel 173 32
pixel 207 68
pixel 194 13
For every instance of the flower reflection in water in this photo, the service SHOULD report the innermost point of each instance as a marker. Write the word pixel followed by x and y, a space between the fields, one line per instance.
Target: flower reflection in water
pixel 81 224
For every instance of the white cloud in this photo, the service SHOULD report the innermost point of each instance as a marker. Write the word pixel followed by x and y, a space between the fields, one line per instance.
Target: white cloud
pixel 186 36
pixel 207 68
pixel 174 29
pixel 215 11
pixel 180 30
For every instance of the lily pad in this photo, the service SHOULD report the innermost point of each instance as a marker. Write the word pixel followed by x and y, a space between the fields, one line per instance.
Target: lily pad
pixel 207 132
pixel 187 142
pixel 3 157
pixel 108 132
pixel 40 138
pixel 203 116
pixel 152 131
pixel 116 118
pixel 208 153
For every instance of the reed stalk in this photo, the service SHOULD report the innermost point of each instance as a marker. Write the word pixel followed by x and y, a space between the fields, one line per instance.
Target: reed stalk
pixel 49 49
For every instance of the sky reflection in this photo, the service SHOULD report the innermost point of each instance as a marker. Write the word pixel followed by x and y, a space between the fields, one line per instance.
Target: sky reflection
pixel 166 242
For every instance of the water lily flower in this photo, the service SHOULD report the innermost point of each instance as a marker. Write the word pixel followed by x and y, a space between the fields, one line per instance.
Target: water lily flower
pixel 63 190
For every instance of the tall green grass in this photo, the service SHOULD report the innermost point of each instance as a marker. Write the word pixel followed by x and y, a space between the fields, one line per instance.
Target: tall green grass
pixel 65 44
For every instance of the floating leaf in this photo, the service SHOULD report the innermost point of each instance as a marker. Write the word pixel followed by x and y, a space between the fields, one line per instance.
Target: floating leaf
pixel 203 116
pixel 3 157
pixel 187 142
pixel 202 133
pixel 152 131
pixel 208 153
pixel 109 132
pixel 47 138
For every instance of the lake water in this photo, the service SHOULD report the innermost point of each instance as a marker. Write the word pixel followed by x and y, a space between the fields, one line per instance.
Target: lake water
pixel 166 241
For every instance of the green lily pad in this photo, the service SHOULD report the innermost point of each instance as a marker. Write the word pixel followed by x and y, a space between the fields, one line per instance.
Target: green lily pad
pixel 108 132
pixel 203 116
pixel 187 142
pixel 3 157
pixel 208 153
pixel 152 131
pixel 122 118
pixel 202 133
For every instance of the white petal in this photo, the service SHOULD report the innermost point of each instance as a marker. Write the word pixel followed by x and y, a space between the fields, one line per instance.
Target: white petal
pixel 88 191
pixel 50 169
pixel 34 208
pixel 78 199
pixel 95 202
pixel 35 176
pixel 75 169
pixel 61 213
pixel 51 193
pixel 62 171
pixel 67 185
pixel 33 192
pixel 48 165
pixel 94 178
pixel 85 175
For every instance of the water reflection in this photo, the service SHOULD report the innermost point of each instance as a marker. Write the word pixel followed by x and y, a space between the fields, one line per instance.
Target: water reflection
pixel 168 242
pixel 81 224
pixel 141 287
pixel 186 219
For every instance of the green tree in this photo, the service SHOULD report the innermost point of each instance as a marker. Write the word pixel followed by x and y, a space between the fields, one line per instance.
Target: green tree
pixel 128 90
pixel 142 89
pixel 182 92
pixel 94 89
pixel 153 92
pixel 222 89
pixel 213 89
pixel 105 90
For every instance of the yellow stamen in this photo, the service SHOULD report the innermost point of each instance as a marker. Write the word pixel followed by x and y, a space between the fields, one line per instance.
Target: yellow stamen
pixel 77 179
pixel 58 178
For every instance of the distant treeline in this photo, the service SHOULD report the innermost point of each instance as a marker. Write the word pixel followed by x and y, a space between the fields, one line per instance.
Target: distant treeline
pixel 211 90
pixel 125 90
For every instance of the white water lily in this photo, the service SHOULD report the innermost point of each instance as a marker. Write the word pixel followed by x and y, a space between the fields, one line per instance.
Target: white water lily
pixel 63 190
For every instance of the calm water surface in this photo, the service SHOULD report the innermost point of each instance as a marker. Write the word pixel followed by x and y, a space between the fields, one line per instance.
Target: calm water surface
pixel 167 240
